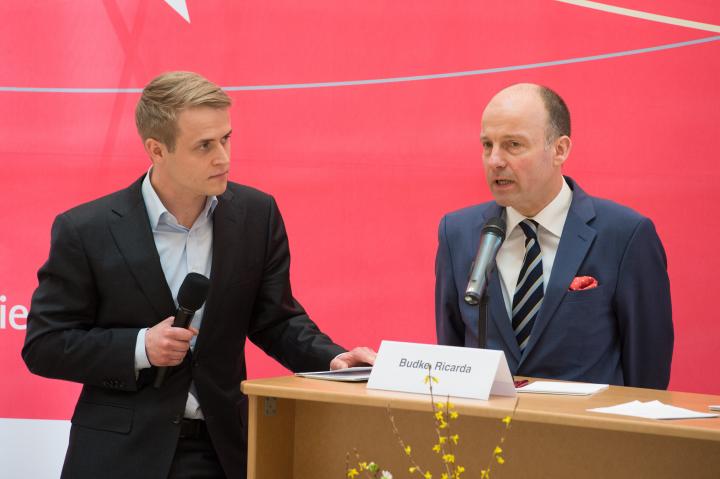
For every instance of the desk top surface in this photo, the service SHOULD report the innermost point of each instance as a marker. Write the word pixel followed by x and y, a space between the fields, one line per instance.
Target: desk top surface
pixel 541 408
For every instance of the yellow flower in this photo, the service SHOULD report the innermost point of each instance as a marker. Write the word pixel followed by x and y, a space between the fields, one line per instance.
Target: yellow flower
pixel 484 474
pixel 363 465
pixel 408 450
pixel 444 475
pixel 427 475
pixel 459 470
pixel 507 420
pixel 439 415
pixel 500 460
pixel 412 469
pixel 440 405
pixel 453 415
pixel 450 405
pixel 448 458
pixel 455 438
pixel 443 439
pixel 436 448
pixel 498 450
pixel 442 424
pixel 352 473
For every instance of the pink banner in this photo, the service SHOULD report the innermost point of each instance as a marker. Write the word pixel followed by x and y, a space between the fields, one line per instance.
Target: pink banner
pixel 363 119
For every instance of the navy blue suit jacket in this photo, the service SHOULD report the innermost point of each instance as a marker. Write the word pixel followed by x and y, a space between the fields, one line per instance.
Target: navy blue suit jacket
pixel 618 333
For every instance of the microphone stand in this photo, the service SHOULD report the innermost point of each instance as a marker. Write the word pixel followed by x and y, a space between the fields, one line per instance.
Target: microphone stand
pixel 483 320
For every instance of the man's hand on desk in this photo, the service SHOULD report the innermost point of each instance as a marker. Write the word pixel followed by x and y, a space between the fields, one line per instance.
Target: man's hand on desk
pixel 361 356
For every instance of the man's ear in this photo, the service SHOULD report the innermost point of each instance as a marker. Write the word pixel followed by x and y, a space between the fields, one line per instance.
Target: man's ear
pixel 155 150
pixel 561 150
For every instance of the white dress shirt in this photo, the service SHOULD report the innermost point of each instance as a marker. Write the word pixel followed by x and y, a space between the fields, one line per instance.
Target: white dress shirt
pixel 182 250
pixel 509 260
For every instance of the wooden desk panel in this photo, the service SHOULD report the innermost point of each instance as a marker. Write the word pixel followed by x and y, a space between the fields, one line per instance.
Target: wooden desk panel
pixel 317 422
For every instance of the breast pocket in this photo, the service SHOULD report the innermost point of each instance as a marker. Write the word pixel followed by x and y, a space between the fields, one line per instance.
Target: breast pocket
pixel 589 320
pixel 585 295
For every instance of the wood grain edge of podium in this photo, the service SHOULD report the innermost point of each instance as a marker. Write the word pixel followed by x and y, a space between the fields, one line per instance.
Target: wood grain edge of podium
pixel 301 428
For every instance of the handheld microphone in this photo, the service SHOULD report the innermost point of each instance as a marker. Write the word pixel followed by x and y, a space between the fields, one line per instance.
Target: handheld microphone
pixel 491 237
pixel 191 296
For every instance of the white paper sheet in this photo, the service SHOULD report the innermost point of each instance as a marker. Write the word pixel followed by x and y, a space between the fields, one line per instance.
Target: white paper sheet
pixel 652 410
pixel 552 387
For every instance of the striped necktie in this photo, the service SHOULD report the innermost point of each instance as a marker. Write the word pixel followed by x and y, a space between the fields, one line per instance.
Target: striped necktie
pixel 529 290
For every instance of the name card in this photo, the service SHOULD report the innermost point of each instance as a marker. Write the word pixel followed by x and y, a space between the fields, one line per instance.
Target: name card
pixel 460 372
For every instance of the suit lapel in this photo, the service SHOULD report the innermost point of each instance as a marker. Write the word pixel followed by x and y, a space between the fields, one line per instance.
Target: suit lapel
pixel 130 227
pixel 228 219
pixel 575 242
pixel 498 312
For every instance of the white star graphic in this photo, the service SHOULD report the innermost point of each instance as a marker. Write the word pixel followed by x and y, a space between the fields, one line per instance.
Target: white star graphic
pixel 180 6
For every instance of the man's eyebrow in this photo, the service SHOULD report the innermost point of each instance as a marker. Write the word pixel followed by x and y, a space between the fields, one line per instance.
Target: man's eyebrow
pixel 207 140
pixel 514 136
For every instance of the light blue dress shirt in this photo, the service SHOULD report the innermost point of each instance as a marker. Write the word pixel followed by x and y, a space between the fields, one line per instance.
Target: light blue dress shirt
pixel 182 250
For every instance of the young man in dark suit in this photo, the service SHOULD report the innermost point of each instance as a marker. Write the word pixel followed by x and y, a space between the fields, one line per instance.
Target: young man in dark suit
pixel 102 313
pixel 581 290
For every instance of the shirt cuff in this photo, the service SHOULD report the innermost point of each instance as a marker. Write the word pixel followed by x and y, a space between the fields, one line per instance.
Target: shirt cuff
pixel 141 359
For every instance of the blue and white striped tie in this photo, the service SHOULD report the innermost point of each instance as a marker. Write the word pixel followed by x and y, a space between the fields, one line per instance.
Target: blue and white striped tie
pixel 529 290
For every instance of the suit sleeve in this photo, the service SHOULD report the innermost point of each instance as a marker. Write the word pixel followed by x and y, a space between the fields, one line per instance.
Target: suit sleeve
pixel 448 320
pixel 62 340
pixel 644 310
pixel 280 325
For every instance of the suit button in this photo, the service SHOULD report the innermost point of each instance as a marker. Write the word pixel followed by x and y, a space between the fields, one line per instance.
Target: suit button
pixel 176 419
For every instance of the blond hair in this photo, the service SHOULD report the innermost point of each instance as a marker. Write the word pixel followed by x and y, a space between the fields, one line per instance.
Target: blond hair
pixel 166 96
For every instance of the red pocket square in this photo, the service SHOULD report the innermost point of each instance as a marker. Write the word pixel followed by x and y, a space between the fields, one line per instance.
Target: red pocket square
pixel 583 282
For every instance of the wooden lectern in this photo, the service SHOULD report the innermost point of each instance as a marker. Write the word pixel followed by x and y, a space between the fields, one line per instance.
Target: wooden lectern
pixel 302 428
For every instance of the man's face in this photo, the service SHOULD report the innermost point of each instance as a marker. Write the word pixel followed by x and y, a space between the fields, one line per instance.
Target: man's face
pixel 200 163
pixel 522 170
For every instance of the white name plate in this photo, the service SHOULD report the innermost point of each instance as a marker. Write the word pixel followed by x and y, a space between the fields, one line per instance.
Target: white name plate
pixel 460 372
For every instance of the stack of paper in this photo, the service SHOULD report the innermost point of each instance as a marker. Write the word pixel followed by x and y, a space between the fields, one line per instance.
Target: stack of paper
pixel 553 387
pixel 356 374
pixel 652 410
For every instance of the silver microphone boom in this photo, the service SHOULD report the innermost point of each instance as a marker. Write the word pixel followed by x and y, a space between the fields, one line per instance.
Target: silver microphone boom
pixel 491 238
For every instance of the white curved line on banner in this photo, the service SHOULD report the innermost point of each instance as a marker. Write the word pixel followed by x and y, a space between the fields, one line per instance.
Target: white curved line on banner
pixel 293 86
pixel 653 17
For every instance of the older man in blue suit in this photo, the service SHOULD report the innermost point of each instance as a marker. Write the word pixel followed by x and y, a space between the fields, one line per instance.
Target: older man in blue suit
pixel 581 290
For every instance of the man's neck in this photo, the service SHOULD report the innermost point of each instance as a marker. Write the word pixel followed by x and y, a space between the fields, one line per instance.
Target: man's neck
pixel 185 208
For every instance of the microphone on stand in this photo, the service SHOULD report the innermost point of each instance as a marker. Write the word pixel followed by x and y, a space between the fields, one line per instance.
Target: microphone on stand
pixel 491 237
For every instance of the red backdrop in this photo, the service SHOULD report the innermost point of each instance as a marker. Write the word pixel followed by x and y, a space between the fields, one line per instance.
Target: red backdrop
pixel 362 172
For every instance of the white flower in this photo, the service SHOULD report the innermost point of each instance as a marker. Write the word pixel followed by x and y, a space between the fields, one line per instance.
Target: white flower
pixel 386 475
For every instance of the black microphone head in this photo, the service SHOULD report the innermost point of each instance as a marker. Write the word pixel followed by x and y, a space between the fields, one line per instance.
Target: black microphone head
pixel 193 291
pixel 495 226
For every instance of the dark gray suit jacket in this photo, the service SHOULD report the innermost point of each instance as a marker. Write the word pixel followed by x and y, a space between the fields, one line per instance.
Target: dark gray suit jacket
pixel 618 333
pixel 103 282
